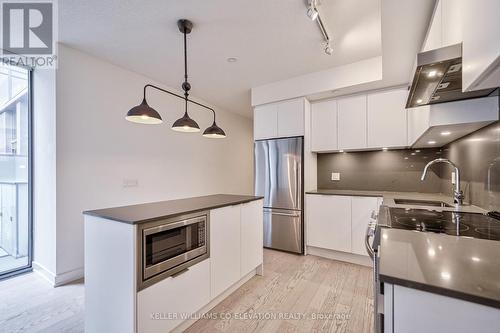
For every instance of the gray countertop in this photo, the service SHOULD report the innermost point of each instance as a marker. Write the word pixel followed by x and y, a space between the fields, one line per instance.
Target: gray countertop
pixel 141 213
pixel 455 266
pixel 459 267
pixel 388 199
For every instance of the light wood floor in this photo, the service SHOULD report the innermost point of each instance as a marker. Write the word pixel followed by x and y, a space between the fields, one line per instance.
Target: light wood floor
pixel 308 286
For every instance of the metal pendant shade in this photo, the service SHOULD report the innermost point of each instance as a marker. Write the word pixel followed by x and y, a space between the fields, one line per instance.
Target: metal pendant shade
pixel 185 124
pixel 214 132
pixel 144 114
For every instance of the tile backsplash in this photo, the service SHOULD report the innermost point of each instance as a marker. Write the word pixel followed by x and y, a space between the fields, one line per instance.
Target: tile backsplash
pixel 477 156
pixel 392 170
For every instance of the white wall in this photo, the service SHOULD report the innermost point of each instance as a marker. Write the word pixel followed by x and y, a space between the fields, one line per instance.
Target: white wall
pixel 44 171
pixel 97 149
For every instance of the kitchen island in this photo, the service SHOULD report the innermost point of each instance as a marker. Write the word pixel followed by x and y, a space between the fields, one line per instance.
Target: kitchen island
pixel 157 267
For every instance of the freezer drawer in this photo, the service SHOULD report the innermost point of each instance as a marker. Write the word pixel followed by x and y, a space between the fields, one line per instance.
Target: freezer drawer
pixel 283 230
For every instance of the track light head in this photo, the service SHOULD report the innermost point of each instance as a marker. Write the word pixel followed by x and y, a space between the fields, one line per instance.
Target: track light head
pixel 328 49
pixel 312 12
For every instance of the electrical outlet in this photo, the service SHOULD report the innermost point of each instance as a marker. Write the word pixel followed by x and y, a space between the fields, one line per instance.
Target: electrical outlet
pixel 335 176
pixel 130 183
pixel 453 178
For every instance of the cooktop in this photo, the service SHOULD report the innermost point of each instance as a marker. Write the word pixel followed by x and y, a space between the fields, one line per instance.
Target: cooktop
pixel 450 223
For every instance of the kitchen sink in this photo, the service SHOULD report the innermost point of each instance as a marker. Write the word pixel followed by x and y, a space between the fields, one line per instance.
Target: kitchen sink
pixel 413 202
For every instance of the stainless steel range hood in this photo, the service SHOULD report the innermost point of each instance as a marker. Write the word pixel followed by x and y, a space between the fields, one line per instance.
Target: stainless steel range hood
pixel 438 78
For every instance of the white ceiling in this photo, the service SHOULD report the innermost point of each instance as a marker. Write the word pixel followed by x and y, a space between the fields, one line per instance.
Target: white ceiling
pixel 273 40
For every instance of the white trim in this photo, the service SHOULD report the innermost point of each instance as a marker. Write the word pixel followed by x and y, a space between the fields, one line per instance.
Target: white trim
pixel 68 277
pixel 44 272
pixel 340 256
pixel 57 280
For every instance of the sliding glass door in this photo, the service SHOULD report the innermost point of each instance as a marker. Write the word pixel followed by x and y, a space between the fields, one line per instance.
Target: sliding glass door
pixel 15 170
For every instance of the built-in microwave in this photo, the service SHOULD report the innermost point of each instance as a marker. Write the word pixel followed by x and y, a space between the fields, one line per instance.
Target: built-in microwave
pixel 169 247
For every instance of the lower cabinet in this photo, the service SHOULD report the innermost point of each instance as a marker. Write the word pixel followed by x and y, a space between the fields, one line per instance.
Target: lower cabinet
pixel 329 222
pixel 339 222
pixel 414 311
pixel 225 249
pixel 164 305
pixel 251 236
pixel 361 211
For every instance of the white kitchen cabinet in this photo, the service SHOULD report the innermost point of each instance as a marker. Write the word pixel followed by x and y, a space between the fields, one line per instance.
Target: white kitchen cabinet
pixel 225 249
pixel 481 44
pixel 291 118
pixel 279 120
pixel 185 293
pixel 352 122
pixel 434 38
pixel 265 119
pixel 387 119
pixel 414 311
pixel 324 126
pixel 362 209
pixel 329 222
pixel 251 236
pixel 475 24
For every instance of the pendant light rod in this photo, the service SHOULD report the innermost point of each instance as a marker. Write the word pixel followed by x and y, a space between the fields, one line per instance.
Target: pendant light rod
pixel 177 95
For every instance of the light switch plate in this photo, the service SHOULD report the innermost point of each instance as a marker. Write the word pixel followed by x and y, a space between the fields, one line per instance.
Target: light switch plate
pixel 335 176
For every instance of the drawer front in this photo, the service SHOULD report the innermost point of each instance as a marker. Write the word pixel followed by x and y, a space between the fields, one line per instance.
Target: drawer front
pixel 161 306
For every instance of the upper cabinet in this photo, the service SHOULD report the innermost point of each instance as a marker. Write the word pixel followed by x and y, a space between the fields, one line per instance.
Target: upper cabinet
pixel 377 120
pixel 387 119
pixel 481 44
pixel 279 120
pixel 265 122
pixel 475 24
pixel 324 126
pixel 352 122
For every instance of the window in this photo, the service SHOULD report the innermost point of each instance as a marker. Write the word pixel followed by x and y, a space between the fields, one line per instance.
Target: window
pixel 15 180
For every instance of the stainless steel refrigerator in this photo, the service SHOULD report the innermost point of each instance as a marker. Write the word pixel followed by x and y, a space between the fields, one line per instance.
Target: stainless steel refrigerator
pixel 279 179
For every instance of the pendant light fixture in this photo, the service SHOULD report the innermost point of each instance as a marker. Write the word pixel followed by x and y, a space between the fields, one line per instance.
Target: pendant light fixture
pixel 145 114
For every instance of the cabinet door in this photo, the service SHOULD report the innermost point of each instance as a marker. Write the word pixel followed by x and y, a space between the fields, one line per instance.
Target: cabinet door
pixel 185 293
pixel 352 122
pixel 251 236
pixel 329 222
pixel 362 208
pixel 225 248
pixel 324 126
pixel 387 121
pixel 265 122
pixel 434 35
pixel 291 118
pixel 481 44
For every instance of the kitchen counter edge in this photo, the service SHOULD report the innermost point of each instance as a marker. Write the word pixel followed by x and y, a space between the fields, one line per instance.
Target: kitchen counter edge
pixel 141 213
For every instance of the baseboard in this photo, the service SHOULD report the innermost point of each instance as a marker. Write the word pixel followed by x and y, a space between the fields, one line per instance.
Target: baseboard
pixel 186 324
pixel 57 280
pixel 44 272
pixel 340 256
pixel 67 277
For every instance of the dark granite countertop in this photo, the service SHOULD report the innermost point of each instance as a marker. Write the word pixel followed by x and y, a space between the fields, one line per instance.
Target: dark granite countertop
pixel 141 213
pixel 459 267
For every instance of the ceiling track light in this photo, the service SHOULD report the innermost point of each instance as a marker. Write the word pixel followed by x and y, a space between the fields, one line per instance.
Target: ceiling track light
pixel 314 15
pixel 144 114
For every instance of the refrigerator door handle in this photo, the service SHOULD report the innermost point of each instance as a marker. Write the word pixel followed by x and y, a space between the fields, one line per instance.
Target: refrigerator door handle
pixel 267 210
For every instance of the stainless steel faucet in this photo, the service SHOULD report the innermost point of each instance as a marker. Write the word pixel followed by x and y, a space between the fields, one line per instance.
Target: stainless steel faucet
pixel 458 195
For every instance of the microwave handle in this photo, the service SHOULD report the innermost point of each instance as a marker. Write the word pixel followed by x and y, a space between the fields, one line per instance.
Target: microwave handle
pixel 173 225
